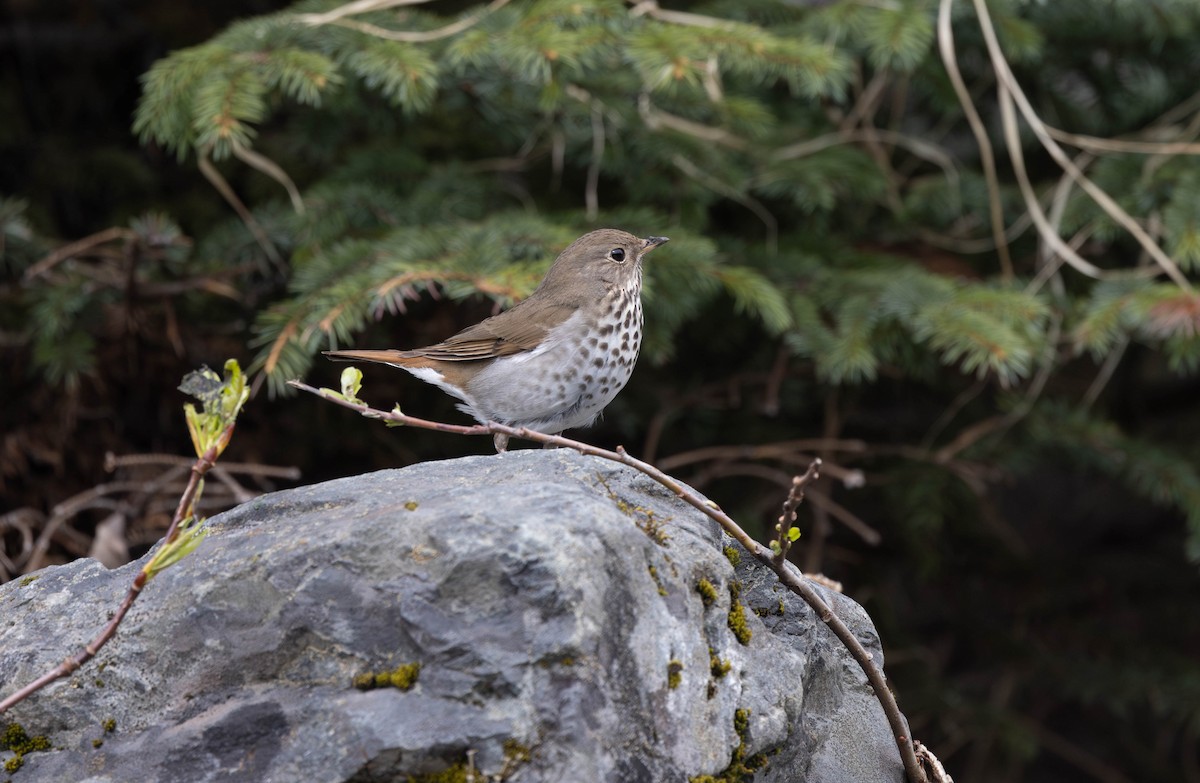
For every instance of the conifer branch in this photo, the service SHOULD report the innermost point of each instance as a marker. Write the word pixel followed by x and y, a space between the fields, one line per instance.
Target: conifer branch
pixel 281 340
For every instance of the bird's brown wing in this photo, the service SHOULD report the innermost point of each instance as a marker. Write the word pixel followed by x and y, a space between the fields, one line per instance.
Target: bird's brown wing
pixel 520 329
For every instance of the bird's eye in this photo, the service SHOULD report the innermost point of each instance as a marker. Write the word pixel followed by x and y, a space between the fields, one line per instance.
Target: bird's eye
pixel 617 254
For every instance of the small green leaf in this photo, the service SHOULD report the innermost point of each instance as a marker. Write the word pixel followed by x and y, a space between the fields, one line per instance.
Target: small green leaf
pixel 221 400
pixel 351 383
pixel 793 534
pixel 190 536
pixel 775 548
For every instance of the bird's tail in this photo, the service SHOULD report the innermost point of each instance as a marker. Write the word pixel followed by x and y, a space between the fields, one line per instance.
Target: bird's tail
pixel 392 357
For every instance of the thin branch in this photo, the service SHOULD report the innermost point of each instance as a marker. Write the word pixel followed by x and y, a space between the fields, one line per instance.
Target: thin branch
pixel 787 518
pixel 351 9
pixel 1136 147
pixel 956 405
pixel 76 248
pixel 591 195
pixel 114 461
pixel 745 199
pixel 408 36
pixel 1106 372
pixel 223 187
pixel 1076 755
pixel 788 574
pixel 771 392
pixel 922 149
pixel 1045 230
pixel 983 245
pixel 655 118
pixel 762 451
pixel 650 8
pixel 273 170
pixel 1048 262
pixel 1009 89
pixel 868 100
pixel 986 156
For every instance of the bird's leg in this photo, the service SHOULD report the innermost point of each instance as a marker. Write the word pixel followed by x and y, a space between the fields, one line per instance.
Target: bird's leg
pixel 500 441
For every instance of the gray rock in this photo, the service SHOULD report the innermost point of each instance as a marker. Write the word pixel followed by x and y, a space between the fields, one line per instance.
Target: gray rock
pixel 546 595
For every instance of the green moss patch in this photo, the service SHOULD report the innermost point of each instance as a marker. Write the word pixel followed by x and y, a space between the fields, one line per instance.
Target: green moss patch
pixel 402 677
pixel 737 614
pixel 15 739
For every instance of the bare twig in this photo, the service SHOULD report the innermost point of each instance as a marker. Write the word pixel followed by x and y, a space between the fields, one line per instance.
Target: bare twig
pixel 650 8
pixel 1077 756
pixel 273 170
pixel 761 451
pixel 77 247
pixel 89 651
pixel 226 190
pixel 1010 91
pixel 591 195
pixel 1106 372
pixel 655 118
pixel 351 9
pixel 919 147
pixel 1135 146
pixel 986 156
pixel 787 519
pixel 732 193
pixel 788 574
pixel 405 36
pixel 1045 230
pixel 114 461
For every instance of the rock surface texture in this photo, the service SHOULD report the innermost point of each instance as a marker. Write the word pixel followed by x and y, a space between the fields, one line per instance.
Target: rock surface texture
pixel 556 606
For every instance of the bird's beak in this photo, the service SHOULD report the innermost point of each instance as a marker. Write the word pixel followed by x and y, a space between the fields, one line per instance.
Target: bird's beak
pixel 649 243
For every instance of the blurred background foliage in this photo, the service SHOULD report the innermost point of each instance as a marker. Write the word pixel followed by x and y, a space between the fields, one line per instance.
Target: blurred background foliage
pixel 949 247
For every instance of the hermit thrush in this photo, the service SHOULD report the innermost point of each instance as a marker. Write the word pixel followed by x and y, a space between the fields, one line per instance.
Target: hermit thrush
pixel 554 360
